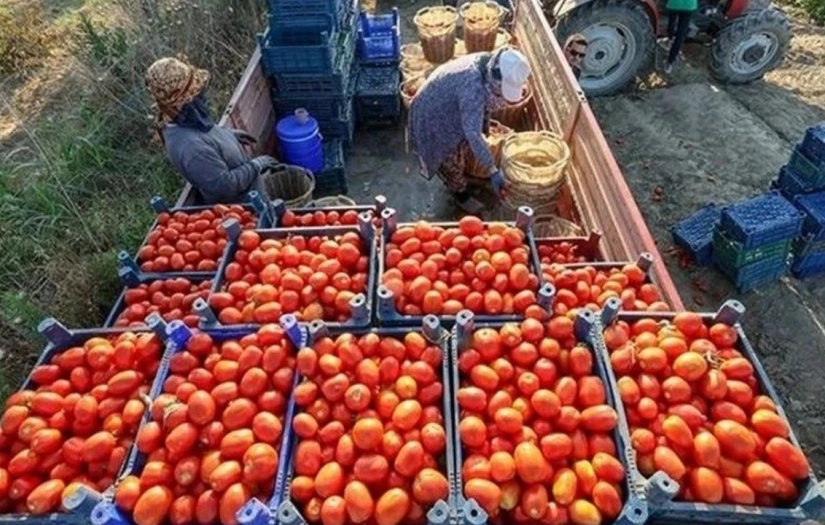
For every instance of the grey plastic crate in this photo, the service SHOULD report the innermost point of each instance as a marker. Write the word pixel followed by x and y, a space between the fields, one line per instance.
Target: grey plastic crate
pixel 634 511
pixel 386 311
pixel 443 512
pixel 361 305
pixel 659 490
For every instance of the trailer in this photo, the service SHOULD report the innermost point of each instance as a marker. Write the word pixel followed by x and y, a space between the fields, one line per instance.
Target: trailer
pixel 596 195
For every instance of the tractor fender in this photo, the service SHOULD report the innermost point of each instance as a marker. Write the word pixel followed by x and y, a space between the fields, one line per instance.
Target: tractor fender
pixel 563 7
pixel 737 8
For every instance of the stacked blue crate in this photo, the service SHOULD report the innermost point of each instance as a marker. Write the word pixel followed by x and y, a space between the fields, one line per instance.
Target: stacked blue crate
pixel 379 54
pixel 752 242
pixel 805 171
pixel 809 250
pixel 308 51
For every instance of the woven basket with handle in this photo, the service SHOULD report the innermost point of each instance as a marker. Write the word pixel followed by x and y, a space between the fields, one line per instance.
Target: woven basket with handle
pixel 292 184
pixel 534 165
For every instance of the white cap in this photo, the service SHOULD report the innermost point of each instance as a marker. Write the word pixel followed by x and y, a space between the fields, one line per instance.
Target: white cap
pixel 514 72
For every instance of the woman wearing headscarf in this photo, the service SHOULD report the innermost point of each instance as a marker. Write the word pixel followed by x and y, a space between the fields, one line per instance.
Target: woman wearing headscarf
pixel 450 114
pixel 210 157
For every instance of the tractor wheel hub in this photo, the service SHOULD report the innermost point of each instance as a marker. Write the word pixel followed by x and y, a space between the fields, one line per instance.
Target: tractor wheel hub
pixel 753 53
pixel 609 48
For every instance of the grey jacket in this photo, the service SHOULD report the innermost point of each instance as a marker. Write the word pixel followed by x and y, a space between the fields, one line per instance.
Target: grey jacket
pixel 449 108
pixel 214 162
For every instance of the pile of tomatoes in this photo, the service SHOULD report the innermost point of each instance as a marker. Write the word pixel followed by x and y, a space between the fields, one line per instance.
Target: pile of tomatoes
pixel 563 252
pixel 188 242
pixel 313 277
pixel 171 298
pixel 215 432
pixel 370 432
pixel 290 219
pixel 696 412
pixel 535 427
pixel 76 425
pixel 588 287
pixel 481 267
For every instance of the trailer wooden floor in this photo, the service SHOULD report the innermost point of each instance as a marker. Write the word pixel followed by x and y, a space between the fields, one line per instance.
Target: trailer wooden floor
pixel 698 142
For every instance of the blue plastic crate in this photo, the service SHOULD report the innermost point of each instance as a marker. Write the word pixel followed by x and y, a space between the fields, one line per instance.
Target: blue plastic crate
pixel 316 55
pixel 789 184
pixel 361 305
pixel 319 107
pixel 299 27
pixel 300 7
pixel 386 310
pixel 441 512
pixel 634 508
pixel 254 512
pixel 809 265
pixel 659 490
pixel 810 172
pixel 813 144
pixel 342 127
pixel 814 207
pixel 695 233
pixel 376 94
pixel 761 220
pixel 59 340
pixel 332 180
pixel 756 274
pixel 337 82
pixel 379 38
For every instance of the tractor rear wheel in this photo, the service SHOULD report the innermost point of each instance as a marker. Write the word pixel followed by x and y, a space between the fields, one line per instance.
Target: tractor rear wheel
pixel 749 46
pixel 620 43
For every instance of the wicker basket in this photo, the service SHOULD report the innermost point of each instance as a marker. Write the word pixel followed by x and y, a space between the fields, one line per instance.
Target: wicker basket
pixel 327 202
pixel 415 67
pixel 547 226
pixel 511 115
pixel 534 165
pixel 409 88
pixel 494 139
pixel 481 20
pixel 412 51
pixel 503 38
pixel 437 31
pixel 293 184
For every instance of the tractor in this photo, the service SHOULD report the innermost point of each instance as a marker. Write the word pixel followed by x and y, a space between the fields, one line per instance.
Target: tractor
pixel 747 38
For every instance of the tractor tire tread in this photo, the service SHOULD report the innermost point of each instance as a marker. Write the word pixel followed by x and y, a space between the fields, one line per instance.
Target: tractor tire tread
pixel 739 28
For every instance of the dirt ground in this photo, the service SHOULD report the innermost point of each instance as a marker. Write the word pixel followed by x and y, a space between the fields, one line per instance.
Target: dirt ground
pixel 699 142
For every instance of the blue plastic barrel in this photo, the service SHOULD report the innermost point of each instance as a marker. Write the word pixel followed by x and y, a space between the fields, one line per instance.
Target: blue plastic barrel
pixel 300 141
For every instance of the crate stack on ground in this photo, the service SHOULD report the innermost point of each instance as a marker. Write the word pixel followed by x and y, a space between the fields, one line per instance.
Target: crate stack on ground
pixel 308 51
pixel 809 248
pixel 805 171
pixel 379 53
pixel 752 243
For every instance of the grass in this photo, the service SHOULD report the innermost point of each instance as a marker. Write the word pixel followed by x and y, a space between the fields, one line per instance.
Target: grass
pixel 78 156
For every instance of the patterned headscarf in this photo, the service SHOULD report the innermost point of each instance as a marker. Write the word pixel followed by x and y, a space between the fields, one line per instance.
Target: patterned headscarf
pixel 173 83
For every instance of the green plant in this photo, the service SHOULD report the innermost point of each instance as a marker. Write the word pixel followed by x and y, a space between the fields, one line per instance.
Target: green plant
pixel 74 186
pixel 816 9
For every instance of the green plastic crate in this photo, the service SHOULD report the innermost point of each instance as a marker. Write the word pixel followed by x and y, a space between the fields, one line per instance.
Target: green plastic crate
pixel 732 254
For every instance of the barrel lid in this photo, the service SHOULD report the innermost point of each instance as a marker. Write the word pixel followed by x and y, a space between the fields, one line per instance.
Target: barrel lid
pixel 298 126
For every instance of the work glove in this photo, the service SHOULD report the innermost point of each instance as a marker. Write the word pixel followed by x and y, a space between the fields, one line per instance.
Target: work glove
pixel 264 162
pixel 498 183
pixel 243 137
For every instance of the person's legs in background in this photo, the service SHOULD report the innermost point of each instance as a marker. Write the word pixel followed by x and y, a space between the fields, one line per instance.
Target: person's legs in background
pixel 678 25
pixel 451 172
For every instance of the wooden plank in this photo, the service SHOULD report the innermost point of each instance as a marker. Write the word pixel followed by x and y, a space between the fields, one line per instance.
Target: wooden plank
pixel 595 173
pixel 554 86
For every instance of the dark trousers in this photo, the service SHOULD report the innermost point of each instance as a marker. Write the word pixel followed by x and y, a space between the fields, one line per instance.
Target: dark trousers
pixel 678 23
